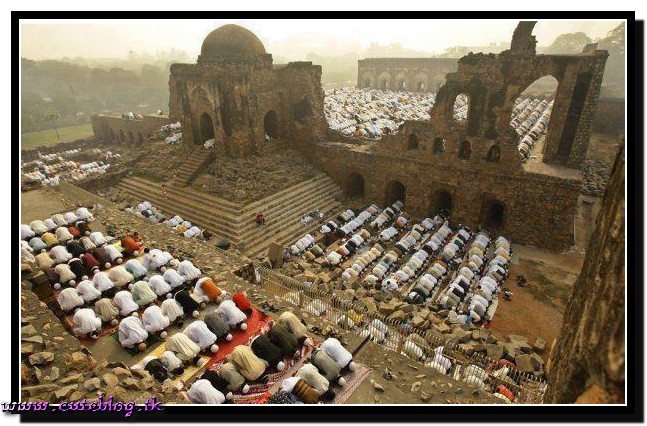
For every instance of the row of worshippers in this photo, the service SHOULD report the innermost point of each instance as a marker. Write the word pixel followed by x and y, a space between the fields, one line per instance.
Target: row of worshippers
pixel 346 223
pixel 370 114
pixel 179 225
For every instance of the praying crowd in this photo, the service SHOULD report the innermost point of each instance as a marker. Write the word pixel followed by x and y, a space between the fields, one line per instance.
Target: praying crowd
pixel 371 113
pixel 194 335
pixel 176 223
pixel 52 169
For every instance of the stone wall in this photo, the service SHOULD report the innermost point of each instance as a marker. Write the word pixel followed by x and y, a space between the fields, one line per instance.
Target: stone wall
pixel 588 363
pixel 610 116
pixel 32 154
pixel 238 102
pixel 118 130
pixel 416 74
pixel 539 209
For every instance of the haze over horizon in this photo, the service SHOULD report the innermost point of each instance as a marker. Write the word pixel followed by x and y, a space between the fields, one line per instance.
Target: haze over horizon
pixel 289 39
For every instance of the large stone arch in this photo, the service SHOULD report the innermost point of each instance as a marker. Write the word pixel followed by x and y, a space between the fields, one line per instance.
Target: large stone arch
pixel 401 82
pixel 395 191
pixel 384 81
pixel 421 82
pixel 367 80
pixel 493 214
pixel 354 185
pixel 271 125
pixel 207 131
pixel 442 201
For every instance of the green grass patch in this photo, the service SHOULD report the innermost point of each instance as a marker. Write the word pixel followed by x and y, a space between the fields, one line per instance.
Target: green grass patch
pixel 48 137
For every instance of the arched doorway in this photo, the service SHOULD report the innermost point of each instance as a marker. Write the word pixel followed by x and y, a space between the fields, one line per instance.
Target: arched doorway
pixel 421 86
pixel 302 111
pixel 271 125
pixel 493 215
pixel 494 154
pixel 367 83
pixel 140 138
pixel 395 191
pixel 531 111
pixel 441 202
pixel 131 138
pixel 355 185
pixel 122 136
pixel 206 128
pixel 112 134
pixel 439 145
pixel 413 144
pixel 466 150
pixel 461 108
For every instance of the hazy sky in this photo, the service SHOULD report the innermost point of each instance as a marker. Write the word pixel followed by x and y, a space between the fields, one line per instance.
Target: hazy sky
pixel 291 39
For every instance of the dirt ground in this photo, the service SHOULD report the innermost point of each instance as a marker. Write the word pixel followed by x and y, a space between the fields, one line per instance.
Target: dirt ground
pixel 39 204
pixel 536 310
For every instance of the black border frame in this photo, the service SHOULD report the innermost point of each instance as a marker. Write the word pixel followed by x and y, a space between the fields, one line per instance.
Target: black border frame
pixel 633 411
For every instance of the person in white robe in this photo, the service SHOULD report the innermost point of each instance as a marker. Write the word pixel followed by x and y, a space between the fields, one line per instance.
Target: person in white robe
pixel 172 363
pixel 155 321
pixel 188 270
pixel 234 316
pixel 124 301
pixel 172 309
pixel 334 349
pixel 173 278
pixel 102 281
pixel 142 293
pixel 98 239
pixel 135 268
pixel 202 336
pixel 86 323
pixel 120 276
pixel 84 214
pixel 59 254
pixel 65 275
pixel 88 292
pixel 26 232
pixel 203 392
pixel 116 257
pixel 132 332
pixel 38 226
pixel 69 299
pixel 160 286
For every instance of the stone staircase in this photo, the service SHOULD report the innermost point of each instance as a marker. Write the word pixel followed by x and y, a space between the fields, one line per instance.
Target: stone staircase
pixel 194 164
pixel 283 210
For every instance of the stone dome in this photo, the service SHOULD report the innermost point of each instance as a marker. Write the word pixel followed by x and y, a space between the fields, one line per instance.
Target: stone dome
pixel 230 41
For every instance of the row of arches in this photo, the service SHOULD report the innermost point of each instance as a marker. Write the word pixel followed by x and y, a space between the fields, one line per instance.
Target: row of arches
pixel 122 137
pixel 464 153
pixel 301 111
pixel 492 211
pixel 421 82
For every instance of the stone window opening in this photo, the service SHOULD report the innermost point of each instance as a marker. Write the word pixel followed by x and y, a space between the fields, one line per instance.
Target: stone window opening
pixel 461 108
pixel 302 111
pixel 439 145
pixel 466 150
pixel 271 126
pixel 396 191
pixel 441 203
pixel 413 144
pixel 421 86
pixel 355 185
pixel 494 215
pixel 494 154
pixel 206 128
pixel 385 84
pixel 367 83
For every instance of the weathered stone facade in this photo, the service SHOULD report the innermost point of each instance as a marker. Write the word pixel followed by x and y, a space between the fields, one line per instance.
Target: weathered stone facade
pixel 119 130
pixel 588 363
pixel 236 95
pixel 411 74
pixel 532 203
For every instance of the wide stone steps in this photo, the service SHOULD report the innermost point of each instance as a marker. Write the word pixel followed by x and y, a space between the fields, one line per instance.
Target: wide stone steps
pixel 291 215
pixel 226 208
pixel 191 165
pixel 292 231
pixel 283 210
pixel 200 216
pixel 180 203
